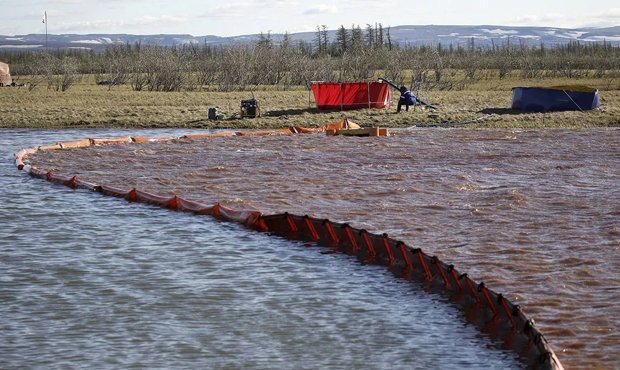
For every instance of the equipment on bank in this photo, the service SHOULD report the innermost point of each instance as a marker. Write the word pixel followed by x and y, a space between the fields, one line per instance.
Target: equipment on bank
pixel 250 108
pixel 555 98
pixel 214 114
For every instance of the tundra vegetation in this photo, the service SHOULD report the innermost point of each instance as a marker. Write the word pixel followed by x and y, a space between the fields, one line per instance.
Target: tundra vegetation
pixel 156 86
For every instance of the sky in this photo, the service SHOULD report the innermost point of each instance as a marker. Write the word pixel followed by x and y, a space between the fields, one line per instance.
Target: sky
pixel 239 17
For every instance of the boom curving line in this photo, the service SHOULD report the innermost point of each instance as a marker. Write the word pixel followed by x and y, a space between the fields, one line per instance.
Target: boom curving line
pixel 489 311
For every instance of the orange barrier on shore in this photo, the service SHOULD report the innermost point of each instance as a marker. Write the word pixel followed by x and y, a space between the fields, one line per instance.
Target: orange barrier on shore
pixel 21 155
pixel 111 141
pixel 488 310
pixel 75 144
pixel 37 172
pixel 286 131
pixel 50 147
pixel 204 136
pixel 309 130
pixel 146 139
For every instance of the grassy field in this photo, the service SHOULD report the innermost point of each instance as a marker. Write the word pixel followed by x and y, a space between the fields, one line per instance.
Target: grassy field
pixel 484 103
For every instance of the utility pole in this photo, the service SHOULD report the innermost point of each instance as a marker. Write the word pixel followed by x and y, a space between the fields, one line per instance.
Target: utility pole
pixel 45 21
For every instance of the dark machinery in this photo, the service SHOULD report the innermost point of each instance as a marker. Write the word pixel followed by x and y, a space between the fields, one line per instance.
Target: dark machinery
pixel 250 108
pixel 214 114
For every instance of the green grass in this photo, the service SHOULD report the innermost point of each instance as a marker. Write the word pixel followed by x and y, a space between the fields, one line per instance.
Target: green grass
pixel 486 102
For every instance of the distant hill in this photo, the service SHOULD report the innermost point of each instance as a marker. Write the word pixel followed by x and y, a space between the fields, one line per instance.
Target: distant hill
pixel 413 35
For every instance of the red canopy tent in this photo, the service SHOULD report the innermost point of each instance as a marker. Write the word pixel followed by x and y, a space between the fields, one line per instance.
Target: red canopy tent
pixel 351 95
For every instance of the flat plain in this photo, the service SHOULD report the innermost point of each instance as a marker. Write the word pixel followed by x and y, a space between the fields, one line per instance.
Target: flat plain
pixel 483 103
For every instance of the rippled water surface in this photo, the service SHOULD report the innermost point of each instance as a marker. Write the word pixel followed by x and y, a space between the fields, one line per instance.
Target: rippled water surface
pixel 87 280
pixel 534 214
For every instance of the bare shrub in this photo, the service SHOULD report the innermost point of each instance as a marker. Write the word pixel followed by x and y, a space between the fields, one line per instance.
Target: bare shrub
pixel 157 68
pixel 60 74
pixel 233 65
pixel 116 70
pixel 394 70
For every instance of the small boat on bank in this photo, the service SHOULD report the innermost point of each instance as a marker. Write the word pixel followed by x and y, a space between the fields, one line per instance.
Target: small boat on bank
pixel 555 98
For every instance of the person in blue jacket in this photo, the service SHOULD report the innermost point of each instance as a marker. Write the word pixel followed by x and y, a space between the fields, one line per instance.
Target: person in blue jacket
pixel 406 99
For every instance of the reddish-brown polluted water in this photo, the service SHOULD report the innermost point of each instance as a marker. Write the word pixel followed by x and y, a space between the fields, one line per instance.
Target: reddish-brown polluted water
pixel 535 214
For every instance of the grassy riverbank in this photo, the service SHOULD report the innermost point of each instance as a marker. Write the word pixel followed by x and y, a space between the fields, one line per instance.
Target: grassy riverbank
pixel 485 103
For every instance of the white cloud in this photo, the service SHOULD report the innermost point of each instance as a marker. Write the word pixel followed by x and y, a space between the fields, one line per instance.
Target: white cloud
pixel 366 4
pixel 322 9
pixel 149 19
pixel 276 3
pixel 232 10
pixel 541 20
pixel 109 26
pixel 51 3
pixel 300 28
pixel 8 30
pixel 607 18
pixel 65 2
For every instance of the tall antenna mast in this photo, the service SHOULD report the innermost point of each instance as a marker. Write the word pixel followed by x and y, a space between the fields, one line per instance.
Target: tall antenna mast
pixel 45 21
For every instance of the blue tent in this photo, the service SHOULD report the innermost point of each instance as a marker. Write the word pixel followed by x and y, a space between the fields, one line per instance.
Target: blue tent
pixel 556 98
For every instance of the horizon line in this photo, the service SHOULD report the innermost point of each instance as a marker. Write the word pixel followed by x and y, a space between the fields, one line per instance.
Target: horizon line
pixel 299 32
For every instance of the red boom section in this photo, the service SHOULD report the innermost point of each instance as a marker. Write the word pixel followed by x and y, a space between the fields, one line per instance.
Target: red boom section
pixel 351 95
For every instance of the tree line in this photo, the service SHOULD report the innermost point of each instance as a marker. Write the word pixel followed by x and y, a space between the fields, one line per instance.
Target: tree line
pixel 352 54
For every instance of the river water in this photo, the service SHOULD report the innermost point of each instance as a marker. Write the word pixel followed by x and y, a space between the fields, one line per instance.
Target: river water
pixel 92 281
pixel 533 214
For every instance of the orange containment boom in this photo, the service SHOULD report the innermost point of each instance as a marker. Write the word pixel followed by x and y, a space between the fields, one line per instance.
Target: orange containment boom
pixel 489 311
